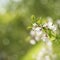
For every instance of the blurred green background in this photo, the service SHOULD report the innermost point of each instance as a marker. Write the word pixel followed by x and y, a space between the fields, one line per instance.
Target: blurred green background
pixel 14 20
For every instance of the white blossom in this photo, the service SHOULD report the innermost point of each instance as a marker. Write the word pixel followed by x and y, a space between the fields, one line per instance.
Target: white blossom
pixel 32 33
pixel 49 19
pixel 34 25
pixel 44 37
pixel 58 21
pixel 33 42
pixel 45 25
pixel 53 28
pixel 41 53
pixel 38 34
pixel 47 57
pixel 37 38
pixel 33 28
pixel 49 43
pixel 37 28
pixel 50 25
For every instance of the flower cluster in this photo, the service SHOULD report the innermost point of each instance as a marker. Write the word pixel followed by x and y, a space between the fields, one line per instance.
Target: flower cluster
pixel 38 31
pixel 50 25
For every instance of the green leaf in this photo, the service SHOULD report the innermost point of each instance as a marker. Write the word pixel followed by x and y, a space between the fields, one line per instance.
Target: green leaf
pixel 29 27
pixel 33 18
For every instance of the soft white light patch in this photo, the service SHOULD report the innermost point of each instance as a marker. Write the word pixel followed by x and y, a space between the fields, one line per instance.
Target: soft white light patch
pixel 3 2
pixel 2 10
pixel 47 57
pixel 58 21
pixel 17 0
